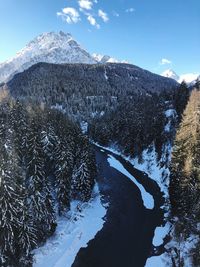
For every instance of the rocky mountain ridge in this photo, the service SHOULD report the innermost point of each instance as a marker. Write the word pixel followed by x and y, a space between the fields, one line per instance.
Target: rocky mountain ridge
pixel 48 47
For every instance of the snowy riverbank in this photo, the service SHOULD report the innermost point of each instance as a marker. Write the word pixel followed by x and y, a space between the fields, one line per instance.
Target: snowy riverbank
pixel 73 232
pixel 148 200
pixel 158 172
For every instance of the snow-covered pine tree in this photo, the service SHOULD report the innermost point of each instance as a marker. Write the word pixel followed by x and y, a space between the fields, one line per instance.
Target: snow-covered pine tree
pixel 32 140
pixel 10 200
pixel 37 181
pixel 63 175
pixel 19 117
pixel 62 138
pixel 18 125
pixel 84 172
pixel 27 235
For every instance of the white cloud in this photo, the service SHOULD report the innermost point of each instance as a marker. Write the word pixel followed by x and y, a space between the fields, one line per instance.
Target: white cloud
pixel 85 4
pixel 93 22
pixel 103 15
pixel 87 10
pixel 130 10
pixel 165 61
pixel 70 15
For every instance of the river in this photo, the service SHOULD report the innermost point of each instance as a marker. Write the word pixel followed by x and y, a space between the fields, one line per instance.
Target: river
pixel 126 237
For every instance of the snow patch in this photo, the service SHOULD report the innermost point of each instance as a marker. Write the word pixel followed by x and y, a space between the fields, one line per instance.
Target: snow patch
pixel 160 233
pixel 97 114
pixel 84 127
pixel 105 75
pixel 156 261
pixel 74 231
pixel 147 198
pixel 153 168
pixel 58 107
pixel 170 113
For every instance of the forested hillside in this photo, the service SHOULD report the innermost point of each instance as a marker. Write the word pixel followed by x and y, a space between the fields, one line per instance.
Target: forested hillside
pixel 121 103
pixel 139 122
pixel 45 162
pixel 185 185
pixel 87 91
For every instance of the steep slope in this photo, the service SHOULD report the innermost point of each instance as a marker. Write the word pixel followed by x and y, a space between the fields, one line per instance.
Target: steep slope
pixel 48 47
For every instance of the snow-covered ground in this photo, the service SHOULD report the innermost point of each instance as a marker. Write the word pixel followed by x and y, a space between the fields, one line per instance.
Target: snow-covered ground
pixel 160 233
pixel 156 261
pixel 152 167
pixel 74 231
pixel 147 198
pixel 183 246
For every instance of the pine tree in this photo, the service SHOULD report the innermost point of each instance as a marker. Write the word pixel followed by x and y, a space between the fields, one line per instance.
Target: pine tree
pixel 83 173
pixel 27 235
pixel 63 174
pixel 10 199
pixel 181 99
pixel 35 177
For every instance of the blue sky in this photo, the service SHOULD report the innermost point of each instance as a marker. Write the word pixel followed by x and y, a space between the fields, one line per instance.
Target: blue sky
pixel 153 34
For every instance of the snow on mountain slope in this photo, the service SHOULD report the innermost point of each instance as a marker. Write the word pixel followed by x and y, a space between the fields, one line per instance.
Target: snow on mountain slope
pixel 170 74
pixel 106 59
pixel 189 78
pixel 48 47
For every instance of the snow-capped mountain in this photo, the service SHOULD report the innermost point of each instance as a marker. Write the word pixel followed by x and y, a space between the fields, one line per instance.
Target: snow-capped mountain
pixel 170 74
pixel 48 47
pixel 106 59
pixel 189 78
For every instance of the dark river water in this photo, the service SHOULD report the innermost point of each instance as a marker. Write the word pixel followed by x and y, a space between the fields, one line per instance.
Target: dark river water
pixel 126 237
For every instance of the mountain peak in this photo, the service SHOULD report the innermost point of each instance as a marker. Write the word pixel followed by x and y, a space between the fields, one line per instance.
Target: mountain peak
pixel 54 36
pixel 170 74
pixel 189 78
pixel 46 42
pixel 49 47
pixel 103 59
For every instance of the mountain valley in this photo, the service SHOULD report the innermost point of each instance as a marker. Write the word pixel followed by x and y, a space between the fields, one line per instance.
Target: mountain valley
pixel 82 137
